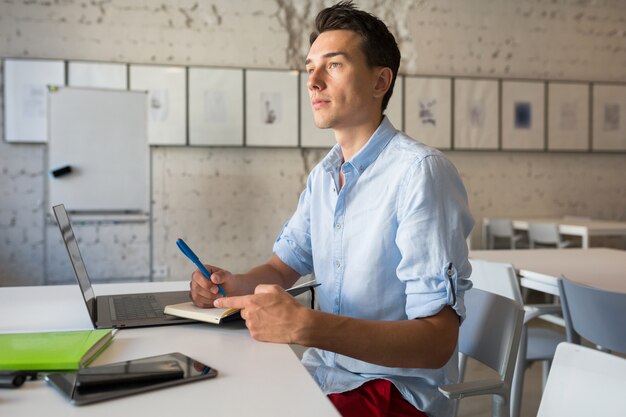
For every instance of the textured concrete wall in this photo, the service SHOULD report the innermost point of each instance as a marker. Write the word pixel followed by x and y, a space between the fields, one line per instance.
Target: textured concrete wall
pixel 230 203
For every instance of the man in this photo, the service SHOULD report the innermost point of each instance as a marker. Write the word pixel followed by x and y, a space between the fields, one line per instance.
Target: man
pixel 382 223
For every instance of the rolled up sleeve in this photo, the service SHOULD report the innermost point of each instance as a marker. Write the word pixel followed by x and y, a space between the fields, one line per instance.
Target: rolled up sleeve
pixel 433 224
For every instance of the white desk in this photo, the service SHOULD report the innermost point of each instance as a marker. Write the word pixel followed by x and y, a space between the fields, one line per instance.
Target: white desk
pixel 540 268
pixel 255 379
pixel 574 227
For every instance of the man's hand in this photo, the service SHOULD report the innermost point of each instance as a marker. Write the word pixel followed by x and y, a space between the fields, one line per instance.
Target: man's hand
pixel 204 292
pixel 271 314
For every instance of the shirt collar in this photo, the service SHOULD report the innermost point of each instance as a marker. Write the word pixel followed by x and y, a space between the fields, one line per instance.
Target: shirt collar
pixel 367 154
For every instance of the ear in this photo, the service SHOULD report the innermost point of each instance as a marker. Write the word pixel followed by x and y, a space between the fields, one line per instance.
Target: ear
pixel 383 81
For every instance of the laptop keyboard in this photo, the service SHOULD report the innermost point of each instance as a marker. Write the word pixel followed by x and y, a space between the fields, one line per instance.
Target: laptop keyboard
pixel 135 307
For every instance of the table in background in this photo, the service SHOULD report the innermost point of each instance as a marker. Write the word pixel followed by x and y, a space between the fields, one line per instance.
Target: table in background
pixel 585 228
pixel 540 269
pixel 255 378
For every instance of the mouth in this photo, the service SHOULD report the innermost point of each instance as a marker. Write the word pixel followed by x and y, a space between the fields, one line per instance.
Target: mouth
pixel 317 103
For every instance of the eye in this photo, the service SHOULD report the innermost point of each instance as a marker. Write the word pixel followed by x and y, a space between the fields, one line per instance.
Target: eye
pixel 334 65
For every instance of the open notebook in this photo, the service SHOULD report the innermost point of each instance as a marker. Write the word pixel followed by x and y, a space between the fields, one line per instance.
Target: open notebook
pixel 218 315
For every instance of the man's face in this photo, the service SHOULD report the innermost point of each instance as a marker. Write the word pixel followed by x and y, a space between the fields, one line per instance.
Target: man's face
pixel 341 84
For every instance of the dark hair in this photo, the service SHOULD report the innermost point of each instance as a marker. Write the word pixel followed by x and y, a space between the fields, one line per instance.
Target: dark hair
pixel 378 44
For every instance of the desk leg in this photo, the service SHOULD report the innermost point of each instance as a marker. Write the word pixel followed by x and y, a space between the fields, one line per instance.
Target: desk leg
pixel 585 240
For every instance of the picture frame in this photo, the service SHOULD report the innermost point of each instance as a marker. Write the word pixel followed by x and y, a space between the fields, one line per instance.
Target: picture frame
pixel 311 136
pixel 523 115
pixel 476 114
pixel 272 108
pixel 167 101
pixel 428 110
pixel 97 75
pixel 26 84
pixel 216 106
pixel 568 116
pixel 609 117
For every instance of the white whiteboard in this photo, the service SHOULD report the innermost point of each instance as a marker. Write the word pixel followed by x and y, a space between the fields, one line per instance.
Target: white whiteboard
pixel 102 136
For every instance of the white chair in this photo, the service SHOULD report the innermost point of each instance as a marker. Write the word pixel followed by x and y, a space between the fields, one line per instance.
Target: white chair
pixel 545 234
pixel 584 382
pixel 502 229
pixel 490 334
pixel 595 314
pixel 537 344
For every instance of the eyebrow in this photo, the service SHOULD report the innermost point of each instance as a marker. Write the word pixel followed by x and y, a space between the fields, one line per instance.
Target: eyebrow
pixel 329 55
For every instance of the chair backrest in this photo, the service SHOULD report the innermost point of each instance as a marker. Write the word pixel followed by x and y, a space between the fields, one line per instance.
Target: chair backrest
pixel 495 277
pixel 491 331
pixel 543 234
pixel 584 382
pixel 501 227
pixel 595 314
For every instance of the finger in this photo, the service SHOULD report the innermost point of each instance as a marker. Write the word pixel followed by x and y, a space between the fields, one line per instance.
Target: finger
pixel 219 278
pixel 210 285
pixel 202 300
pixel 268 288
pixel 201 296
pixel 202 286
pixel 232 302
pixel 199 279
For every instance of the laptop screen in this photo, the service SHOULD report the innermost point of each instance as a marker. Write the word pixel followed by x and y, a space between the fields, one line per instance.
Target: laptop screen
pixel 76 259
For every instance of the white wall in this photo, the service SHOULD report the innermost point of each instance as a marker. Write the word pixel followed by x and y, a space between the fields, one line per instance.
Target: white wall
pixel 230 203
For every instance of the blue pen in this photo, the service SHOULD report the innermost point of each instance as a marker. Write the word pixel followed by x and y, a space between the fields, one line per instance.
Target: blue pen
pixel 194 258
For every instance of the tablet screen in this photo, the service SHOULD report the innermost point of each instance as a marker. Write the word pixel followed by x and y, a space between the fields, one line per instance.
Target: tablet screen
pixel 120 379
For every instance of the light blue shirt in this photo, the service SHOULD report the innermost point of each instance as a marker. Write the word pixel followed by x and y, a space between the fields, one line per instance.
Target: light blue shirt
pixel 390 245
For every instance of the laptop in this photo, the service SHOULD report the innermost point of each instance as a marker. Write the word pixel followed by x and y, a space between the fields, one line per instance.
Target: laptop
pixel 117 311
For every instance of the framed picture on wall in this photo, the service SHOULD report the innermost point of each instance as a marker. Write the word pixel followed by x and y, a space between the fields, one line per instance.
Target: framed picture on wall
pixel 428 110
pixel 609 117
pixel 271 108
pixel 167 102
pixel 523 115
pixel 98 75
pixel 476 115
pixel 568 116
pixel 311 136
pixel 215 106
pixel 26 84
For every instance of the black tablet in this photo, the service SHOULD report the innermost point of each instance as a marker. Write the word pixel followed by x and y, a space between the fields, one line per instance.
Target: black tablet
pixel 100 383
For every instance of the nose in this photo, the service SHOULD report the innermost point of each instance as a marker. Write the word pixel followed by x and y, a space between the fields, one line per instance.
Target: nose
pixel 316 81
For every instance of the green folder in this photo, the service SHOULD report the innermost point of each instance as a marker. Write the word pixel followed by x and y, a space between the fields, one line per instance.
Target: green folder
pixel 52 350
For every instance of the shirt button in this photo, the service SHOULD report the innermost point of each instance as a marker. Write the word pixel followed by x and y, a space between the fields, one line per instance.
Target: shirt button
pixel 337 264
pixel 337 226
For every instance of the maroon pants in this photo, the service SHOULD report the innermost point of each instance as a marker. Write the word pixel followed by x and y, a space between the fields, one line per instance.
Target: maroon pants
pixel 376 398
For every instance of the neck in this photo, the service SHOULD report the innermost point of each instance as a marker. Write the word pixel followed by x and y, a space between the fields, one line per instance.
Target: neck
pixel 352 139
